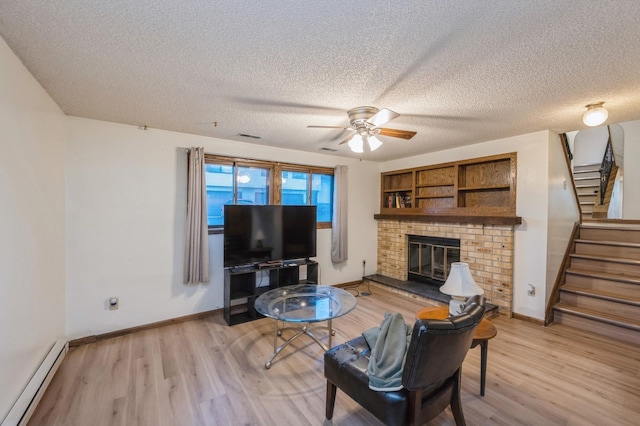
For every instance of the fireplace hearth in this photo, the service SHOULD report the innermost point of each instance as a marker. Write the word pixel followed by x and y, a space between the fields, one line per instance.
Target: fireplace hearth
pixel 430 258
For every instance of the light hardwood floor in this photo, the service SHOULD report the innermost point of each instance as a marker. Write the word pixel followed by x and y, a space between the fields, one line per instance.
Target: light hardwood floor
pixel 203 372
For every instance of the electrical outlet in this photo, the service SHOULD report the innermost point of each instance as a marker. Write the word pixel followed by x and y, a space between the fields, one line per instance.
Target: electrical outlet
pixel 531 290
pixel 114 303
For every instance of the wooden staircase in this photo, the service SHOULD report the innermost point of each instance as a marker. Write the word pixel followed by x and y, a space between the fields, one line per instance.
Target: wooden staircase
pixel 601 211
pixel 587 180
pixel 601 287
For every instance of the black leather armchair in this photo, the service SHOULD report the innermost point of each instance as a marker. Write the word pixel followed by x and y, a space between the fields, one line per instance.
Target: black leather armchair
pixel 431 375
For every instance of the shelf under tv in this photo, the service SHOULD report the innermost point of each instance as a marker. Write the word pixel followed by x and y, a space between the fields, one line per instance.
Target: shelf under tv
pixel 242 285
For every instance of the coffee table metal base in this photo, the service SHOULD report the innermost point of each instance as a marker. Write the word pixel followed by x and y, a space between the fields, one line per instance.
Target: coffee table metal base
pixel 304 308
pixel 304 329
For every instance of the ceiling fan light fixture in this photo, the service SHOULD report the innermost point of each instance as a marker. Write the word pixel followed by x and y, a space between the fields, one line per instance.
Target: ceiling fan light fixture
pixel 364 125
pixel 374 142
pixel 595 115
pixel 356 144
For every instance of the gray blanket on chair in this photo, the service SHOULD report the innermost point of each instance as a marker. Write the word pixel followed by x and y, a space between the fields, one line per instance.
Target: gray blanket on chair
pixel 388 344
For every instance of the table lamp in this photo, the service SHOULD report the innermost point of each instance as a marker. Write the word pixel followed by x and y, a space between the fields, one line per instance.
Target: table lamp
pixel 459 286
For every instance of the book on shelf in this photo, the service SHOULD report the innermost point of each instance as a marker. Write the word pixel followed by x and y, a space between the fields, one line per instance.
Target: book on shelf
pixel 397 200
pixel 407 201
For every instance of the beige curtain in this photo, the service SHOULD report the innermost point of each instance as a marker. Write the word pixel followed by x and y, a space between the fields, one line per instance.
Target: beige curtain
pixel 339 229
pixel 196 251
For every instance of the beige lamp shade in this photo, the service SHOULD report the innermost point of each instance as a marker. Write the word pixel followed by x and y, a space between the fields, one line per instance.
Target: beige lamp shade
pixel 460 282
pixel 459 286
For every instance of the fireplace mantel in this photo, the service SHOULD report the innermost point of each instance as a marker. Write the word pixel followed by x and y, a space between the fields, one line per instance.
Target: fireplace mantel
pixel 446 218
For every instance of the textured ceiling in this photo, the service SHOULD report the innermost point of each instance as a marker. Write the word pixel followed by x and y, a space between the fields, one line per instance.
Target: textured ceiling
pixel 458 72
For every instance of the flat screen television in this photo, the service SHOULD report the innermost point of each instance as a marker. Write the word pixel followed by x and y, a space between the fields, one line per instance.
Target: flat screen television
pixel 263 233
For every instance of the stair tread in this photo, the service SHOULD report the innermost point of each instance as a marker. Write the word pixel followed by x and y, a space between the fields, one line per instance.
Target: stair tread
pixel 606 259
pixel 604 275
pixel 632 324
pixel 612 226
pixel 609 243
pixel 600 294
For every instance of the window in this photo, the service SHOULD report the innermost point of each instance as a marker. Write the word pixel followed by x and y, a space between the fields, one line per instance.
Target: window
pixel 242 181
pixel 295 188
pixel 253 185
pixel 234 183
pixel 313 187
pixel 219 181
pixel 322 196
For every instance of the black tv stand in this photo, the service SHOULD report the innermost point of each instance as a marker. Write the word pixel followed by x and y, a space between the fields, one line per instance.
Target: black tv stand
pixel 271 264
pixel 243 282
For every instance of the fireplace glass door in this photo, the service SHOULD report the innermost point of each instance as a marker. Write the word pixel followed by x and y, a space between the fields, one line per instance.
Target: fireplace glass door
pixel 431 260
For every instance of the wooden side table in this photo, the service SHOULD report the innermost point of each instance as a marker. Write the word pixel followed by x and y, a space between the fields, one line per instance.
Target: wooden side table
pixel 483 333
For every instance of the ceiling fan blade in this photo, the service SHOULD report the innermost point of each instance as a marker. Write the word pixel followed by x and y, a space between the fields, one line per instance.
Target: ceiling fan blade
pixel 383 116
pixel 347 139
pixel 282 104
pixel 329 127
pixel 339 135
pixel 395 133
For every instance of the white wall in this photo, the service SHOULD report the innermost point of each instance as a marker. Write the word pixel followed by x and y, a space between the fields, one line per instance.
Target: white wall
pixel 32 138
pixel 126 196
pixel 530 245
pixel 630 135
pixel 631 193
pixel 589 145
pixel 563 211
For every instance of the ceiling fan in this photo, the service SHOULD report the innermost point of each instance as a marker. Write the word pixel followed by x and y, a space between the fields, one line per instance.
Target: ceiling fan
pixel 365 122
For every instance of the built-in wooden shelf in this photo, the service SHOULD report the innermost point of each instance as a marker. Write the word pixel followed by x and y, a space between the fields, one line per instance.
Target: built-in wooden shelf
pixel 483 187
pixel 398 190
pixel 478 190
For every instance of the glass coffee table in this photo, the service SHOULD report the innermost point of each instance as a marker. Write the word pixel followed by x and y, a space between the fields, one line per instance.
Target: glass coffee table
pixel 300 306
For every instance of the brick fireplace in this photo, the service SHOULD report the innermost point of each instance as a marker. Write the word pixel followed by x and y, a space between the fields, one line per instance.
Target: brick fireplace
pixel 488 249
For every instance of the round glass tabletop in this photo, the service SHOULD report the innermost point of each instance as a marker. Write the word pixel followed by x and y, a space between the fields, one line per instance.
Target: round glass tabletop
pixel 305 303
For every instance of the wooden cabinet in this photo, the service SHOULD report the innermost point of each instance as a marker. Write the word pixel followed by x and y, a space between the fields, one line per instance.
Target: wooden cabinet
pixel 477 187
pixel 397 189
pixel 488 183
pixel 435 188
pixel 243 285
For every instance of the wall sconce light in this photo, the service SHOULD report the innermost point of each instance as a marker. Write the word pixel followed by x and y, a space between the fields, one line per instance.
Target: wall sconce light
pixel 595 114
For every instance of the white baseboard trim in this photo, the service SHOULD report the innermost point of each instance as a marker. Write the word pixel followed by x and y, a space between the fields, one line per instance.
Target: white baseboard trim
pixel 28 400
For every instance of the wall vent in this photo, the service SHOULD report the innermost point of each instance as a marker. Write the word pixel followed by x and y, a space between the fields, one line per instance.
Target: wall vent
pixel 244 135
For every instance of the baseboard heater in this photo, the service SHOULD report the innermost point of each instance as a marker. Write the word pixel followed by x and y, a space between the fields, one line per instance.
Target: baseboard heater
pixel 28 400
